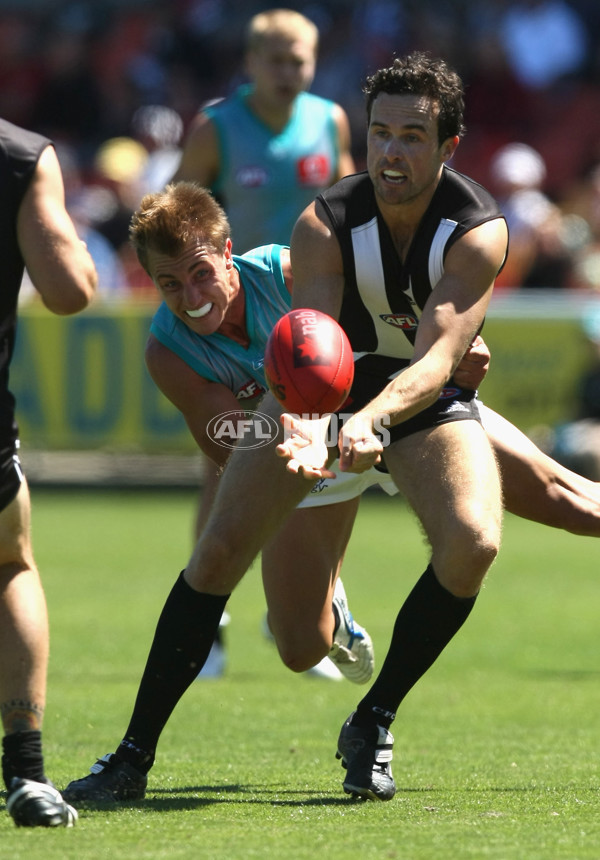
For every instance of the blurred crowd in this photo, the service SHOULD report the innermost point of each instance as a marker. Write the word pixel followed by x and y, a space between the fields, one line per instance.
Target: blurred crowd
pixel 116 85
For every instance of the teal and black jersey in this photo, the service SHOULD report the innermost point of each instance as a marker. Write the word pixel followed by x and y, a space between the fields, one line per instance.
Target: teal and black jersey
pixel 218 358
pixel 266 180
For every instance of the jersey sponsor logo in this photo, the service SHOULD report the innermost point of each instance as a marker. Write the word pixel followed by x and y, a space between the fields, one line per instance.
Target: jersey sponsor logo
pixel 448 393
pixel 314 170
pixel 251 176
pixel 256 429
pixel 406 322
pixel 250 389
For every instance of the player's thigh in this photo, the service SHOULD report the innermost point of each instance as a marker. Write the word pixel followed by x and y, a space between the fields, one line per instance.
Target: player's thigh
pixel 450 478
pixel 15 530
pixel 301 562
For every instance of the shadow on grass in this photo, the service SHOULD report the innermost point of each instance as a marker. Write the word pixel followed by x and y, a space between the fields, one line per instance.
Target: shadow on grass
pixel 198 796
pixel 194 797
pixel 564 674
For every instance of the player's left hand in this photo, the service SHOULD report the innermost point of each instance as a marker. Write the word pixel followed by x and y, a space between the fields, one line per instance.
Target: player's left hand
pixel 360 448
pixel 304 447
pixel 473 366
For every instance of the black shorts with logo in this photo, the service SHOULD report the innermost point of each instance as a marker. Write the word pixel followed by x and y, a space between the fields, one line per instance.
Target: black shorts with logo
pixel 372 373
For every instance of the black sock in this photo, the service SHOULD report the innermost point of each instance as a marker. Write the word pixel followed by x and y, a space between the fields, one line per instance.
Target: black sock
pixel 427 621
pixel 22 756
pixel 184 635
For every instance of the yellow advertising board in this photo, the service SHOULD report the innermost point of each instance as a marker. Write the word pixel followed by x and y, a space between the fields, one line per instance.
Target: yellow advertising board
pixel 81 383
pixel 539 351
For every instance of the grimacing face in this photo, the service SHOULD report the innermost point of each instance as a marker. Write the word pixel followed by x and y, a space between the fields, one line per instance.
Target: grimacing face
pixel 404 157
pixel 197 285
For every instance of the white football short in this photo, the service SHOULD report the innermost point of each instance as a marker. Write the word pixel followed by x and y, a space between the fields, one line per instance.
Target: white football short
pixel 347 485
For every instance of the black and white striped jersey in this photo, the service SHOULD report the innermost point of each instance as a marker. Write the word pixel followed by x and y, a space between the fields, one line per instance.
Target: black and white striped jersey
pixel 383 296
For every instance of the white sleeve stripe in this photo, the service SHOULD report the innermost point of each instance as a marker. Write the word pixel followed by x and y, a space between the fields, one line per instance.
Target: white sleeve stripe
pixel 436 254
pixel 370 279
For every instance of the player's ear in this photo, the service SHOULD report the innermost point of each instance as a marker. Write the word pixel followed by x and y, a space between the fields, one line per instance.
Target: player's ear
pixel 228 254
pixel 449 147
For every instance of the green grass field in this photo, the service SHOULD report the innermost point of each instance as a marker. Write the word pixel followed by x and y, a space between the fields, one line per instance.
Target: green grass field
pixel 496 752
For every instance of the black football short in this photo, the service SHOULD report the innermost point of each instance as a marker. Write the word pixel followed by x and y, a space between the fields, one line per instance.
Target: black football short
pixel 11 475
pixel 372 374
pixel 454 404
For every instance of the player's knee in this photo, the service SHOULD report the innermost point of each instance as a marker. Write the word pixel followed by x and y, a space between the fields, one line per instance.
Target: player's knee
pixel 484 549
pixel 299 655
pixel 478 542
pixel 13 567
pixel 461 565
pixel 483 554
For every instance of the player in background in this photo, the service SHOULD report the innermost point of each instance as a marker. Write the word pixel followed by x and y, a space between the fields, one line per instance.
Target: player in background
pixel 206 346
pixel 35 232
pixel 269 148
pixel 265 152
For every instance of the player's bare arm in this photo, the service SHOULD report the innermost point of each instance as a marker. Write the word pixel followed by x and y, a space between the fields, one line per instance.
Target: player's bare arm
pixel 470 373
pixel 317 263
pixel 57 261
pixel 346 164
pixel 536 487
pixel 451 318
pixel 200 157
pixel 198 399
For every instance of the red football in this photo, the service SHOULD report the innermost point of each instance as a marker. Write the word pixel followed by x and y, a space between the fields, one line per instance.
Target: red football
pixel 308 363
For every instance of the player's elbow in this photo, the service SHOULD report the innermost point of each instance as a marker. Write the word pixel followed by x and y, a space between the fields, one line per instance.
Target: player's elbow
pixel 72 299
pixel 66 305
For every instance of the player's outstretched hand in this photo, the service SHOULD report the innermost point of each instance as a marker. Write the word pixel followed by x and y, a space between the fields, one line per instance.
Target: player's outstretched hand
pixel 304 447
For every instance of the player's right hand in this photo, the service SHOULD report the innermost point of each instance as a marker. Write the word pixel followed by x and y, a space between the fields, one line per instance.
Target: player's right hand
pixel 360 448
